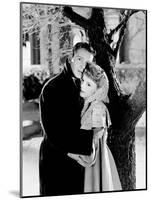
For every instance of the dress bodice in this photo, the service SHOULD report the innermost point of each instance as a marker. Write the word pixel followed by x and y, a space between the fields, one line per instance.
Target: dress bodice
pixel 95 115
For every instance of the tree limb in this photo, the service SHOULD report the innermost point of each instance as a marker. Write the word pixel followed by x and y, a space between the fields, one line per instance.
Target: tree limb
pixel 74 17
pixel 135 105
pixel 122 29
pixel 123 22
pixel 138 100
pixel 121 36
pixel 97 16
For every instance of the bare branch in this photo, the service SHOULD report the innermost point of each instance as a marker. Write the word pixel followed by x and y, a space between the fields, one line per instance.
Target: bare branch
pixel 125 17
pixel 121 36
pixel 121 28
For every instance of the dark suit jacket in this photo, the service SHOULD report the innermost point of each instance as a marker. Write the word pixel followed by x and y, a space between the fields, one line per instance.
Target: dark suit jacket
pixel 60 117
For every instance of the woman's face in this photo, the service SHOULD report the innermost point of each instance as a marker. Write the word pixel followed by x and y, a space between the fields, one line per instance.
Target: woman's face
pixel 88 87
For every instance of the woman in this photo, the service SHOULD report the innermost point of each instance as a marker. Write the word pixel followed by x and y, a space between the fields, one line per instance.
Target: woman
pixel 100 169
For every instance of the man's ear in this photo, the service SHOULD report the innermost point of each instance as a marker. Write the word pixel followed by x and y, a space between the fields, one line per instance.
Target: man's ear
pixel 70 58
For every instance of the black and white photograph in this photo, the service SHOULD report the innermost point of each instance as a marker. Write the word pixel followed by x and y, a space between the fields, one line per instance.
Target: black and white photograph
pixel 83 87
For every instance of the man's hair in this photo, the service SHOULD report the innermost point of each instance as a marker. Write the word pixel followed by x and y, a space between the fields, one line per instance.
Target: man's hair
pixel 83 45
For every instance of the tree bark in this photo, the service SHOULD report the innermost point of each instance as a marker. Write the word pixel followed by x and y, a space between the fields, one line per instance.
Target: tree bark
pixel 125 110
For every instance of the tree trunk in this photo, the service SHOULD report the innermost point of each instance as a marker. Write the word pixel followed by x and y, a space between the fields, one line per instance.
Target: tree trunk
pixel 124 110
pixel 123 151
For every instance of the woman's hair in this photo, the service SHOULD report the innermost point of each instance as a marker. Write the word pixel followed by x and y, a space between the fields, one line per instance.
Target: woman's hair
pixel 95 73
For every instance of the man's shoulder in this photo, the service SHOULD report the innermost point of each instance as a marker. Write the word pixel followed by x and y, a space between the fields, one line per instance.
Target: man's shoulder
pixel 52 83
pixel 52 80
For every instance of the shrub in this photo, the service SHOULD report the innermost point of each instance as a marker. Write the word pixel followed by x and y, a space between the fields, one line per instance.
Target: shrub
pixel 31 87
pixel 33 81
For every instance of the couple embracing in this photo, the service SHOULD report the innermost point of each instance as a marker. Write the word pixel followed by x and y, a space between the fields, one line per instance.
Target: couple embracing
pixel 74 156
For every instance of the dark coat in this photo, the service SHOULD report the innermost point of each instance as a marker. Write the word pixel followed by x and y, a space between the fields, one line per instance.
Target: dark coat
pixel 60 117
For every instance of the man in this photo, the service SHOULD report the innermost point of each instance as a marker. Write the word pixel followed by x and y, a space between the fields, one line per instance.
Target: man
pixel 60 117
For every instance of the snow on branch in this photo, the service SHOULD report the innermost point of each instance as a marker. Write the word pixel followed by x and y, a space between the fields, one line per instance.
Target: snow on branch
pixel 36 16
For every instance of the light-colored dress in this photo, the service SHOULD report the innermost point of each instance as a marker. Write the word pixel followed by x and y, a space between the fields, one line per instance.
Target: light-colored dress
pixel 100 169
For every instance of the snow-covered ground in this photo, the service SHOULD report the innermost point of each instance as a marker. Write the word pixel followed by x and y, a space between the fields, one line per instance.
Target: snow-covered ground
pixel 31 159
pixel 30 172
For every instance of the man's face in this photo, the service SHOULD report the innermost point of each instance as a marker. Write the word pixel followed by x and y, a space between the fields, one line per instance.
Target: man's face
pixel 79 60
